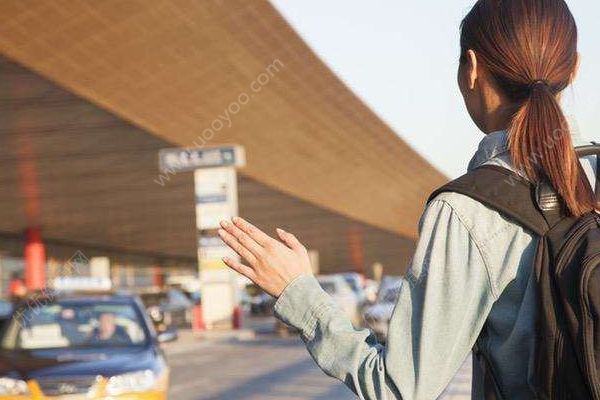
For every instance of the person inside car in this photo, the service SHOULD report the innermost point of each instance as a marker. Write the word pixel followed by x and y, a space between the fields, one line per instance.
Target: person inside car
pixel 108 332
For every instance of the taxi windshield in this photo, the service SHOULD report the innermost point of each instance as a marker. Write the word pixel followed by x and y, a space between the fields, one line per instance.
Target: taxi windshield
pixel 75 324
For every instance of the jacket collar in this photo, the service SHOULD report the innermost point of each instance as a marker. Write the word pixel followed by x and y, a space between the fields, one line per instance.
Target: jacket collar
pixel 495 144
pixel 491 146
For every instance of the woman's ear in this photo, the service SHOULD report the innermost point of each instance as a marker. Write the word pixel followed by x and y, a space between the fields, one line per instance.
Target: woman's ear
pixel 472 72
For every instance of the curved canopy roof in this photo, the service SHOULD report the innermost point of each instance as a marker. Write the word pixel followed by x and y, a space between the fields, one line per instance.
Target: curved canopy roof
pixel 211 72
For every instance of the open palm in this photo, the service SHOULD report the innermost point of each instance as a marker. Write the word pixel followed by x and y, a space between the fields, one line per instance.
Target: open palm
pixel 272 263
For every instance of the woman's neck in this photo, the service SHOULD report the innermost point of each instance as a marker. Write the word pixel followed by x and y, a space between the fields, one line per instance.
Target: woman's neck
pixel 498 118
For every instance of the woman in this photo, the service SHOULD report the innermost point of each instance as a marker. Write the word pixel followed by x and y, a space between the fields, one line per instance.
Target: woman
pixel 470 279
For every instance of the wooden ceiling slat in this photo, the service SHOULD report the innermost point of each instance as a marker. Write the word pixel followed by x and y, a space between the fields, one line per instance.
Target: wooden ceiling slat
pixel 97 191
pixel 173 67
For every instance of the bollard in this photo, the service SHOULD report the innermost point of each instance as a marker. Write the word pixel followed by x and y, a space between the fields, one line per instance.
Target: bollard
pixel 198 324
pixel 237 317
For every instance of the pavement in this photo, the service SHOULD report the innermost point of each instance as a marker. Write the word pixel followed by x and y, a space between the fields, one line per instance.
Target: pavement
pixel 263 367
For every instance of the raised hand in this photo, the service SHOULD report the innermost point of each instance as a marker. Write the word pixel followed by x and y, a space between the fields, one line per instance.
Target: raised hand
pixel 272 264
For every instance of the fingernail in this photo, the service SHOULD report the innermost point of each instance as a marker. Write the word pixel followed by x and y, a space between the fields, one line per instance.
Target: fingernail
pixel 221 232
pixel 237 220
pixel 224 223
pixel 279 230
pixel 225 260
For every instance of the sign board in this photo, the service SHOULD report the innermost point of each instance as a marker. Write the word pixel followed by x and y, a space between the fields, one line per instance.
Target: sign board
pixel 215 188
pixel 211 251
pixel 100 267
pixel 190 159
pixel 216 196
pixel 216 200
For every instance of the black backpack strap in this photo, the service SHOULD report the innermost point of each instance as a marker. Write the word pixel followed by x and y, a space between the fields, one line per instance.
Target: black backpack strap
pixel 597 173
pixel 598 177
pixel 504 191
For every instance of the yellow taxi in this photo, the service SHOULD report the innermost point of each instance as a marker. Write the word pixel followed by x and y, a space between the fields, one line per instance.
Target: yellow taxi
pixel 72 347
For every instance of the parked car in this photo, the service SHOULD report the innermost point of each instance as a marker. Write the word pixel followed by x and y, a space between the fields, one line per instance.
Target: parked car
pixel 6 308
pixel 168 309
pixel 76 346
pixel 371 290
pixel 261 303
pixel 357 283
pixel 343 295
pixel 377 316
pixel 194 297
pixel 188 285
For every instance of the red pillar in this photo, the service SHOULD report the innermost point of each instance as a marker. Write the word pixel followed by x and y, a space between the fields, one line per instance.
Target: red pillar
pixel 198 320
pixel 35 259
pixel 158 278
pixel 237 317
pixel 357 251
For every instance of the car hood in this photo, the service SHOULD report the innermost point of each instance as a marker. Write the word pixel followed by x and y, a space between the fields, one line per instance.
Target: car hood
pixel 34 364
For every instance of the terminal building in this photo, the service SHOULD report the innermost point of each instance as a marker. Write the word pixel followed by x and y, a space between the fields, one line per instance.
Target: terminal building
pixel 91 91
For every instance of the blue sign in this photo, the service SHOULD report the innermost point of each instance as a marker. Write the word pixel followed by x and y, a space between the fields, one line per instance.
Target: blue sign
pixel 181 160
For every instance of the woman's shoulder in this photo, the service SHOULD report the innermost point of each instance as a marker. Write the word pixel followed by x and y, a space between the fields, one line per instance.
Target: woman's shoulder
pixel 501 241
pixel 480 220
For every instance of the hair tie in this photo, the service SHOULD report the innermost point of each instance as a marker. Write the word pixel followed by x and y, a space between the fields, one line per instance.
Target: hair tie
pixel 539 83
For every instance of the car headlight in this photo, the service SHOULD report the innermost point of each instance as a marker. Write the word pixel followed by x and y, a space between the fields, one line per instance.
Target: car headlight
pixel 13 387
pixel 139 381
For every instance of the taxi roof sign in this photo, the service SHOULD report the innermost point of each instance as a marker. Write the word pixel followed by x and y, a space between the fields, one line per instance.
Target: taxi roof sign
pixel 81 283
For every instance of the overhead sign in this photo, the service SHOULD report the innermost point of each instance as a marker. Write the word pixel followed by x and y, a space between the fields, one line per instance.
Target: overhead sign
pixel 190 159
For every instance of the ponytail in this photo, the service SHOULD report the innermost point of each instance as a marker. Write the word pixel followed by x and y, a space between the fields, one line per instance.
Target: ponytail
pixel 520 42
pixel 540 144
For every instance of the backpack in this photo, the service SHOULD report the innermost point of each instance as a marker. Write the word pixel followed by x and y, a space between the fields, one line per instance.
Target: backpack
pixel 567 273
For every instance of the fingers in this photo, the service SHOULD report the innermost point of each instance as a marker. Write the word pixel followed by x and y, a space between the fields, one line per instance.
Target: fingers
pixel 238 247
pixel 256 234
pixel 291 240
pixel 240 268
pixel 243 238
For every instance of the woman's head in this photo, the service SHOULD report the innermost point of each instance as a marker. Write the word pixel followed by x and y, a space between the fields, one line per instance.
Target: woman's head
pixel 517 56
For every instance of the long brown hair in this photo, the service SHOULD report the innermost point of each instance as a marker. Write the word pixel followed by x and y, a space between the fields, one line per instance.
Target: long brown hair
pixel 530 49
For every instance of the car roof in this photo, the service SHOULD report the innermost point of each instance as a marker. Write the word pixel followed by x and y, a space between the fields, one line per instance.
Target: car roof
pixel 95 299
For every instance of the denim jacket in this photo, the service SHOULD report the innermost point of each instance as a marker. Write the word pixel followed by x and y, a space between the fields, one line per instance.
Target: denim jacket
pixel 469 281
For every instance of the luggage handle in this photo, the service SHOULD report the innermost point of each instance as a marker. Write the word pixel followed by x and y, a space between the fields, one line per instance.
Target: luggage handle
pixel 588 150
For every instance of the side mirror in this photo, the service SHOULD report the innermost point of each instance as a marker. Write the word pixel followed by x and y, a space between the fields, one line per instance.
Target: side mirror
pixel 169 335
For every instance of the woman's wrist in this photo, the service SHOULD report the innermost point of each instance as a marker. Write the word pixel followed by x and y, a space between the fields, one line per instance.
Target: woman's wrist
pixel 301 303
pixel 290 285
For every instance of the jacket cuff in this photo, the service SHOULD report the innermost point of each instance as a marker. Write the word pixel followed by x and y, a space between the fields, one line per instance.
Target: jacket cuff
pixel 302 303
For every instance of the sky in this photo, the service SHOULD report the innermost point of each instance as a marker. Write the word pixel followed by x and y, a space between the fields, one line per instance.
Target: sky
pixel 400 57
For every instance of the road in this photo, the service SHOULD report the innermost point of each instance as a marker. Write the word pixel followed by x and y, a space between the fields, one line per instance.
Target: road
pixel 267 368
pixel 251 370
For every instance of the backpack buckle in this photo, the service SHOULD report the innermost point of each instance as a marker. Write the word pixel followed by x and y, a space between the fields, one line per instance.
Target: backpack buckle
pixel 547 198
